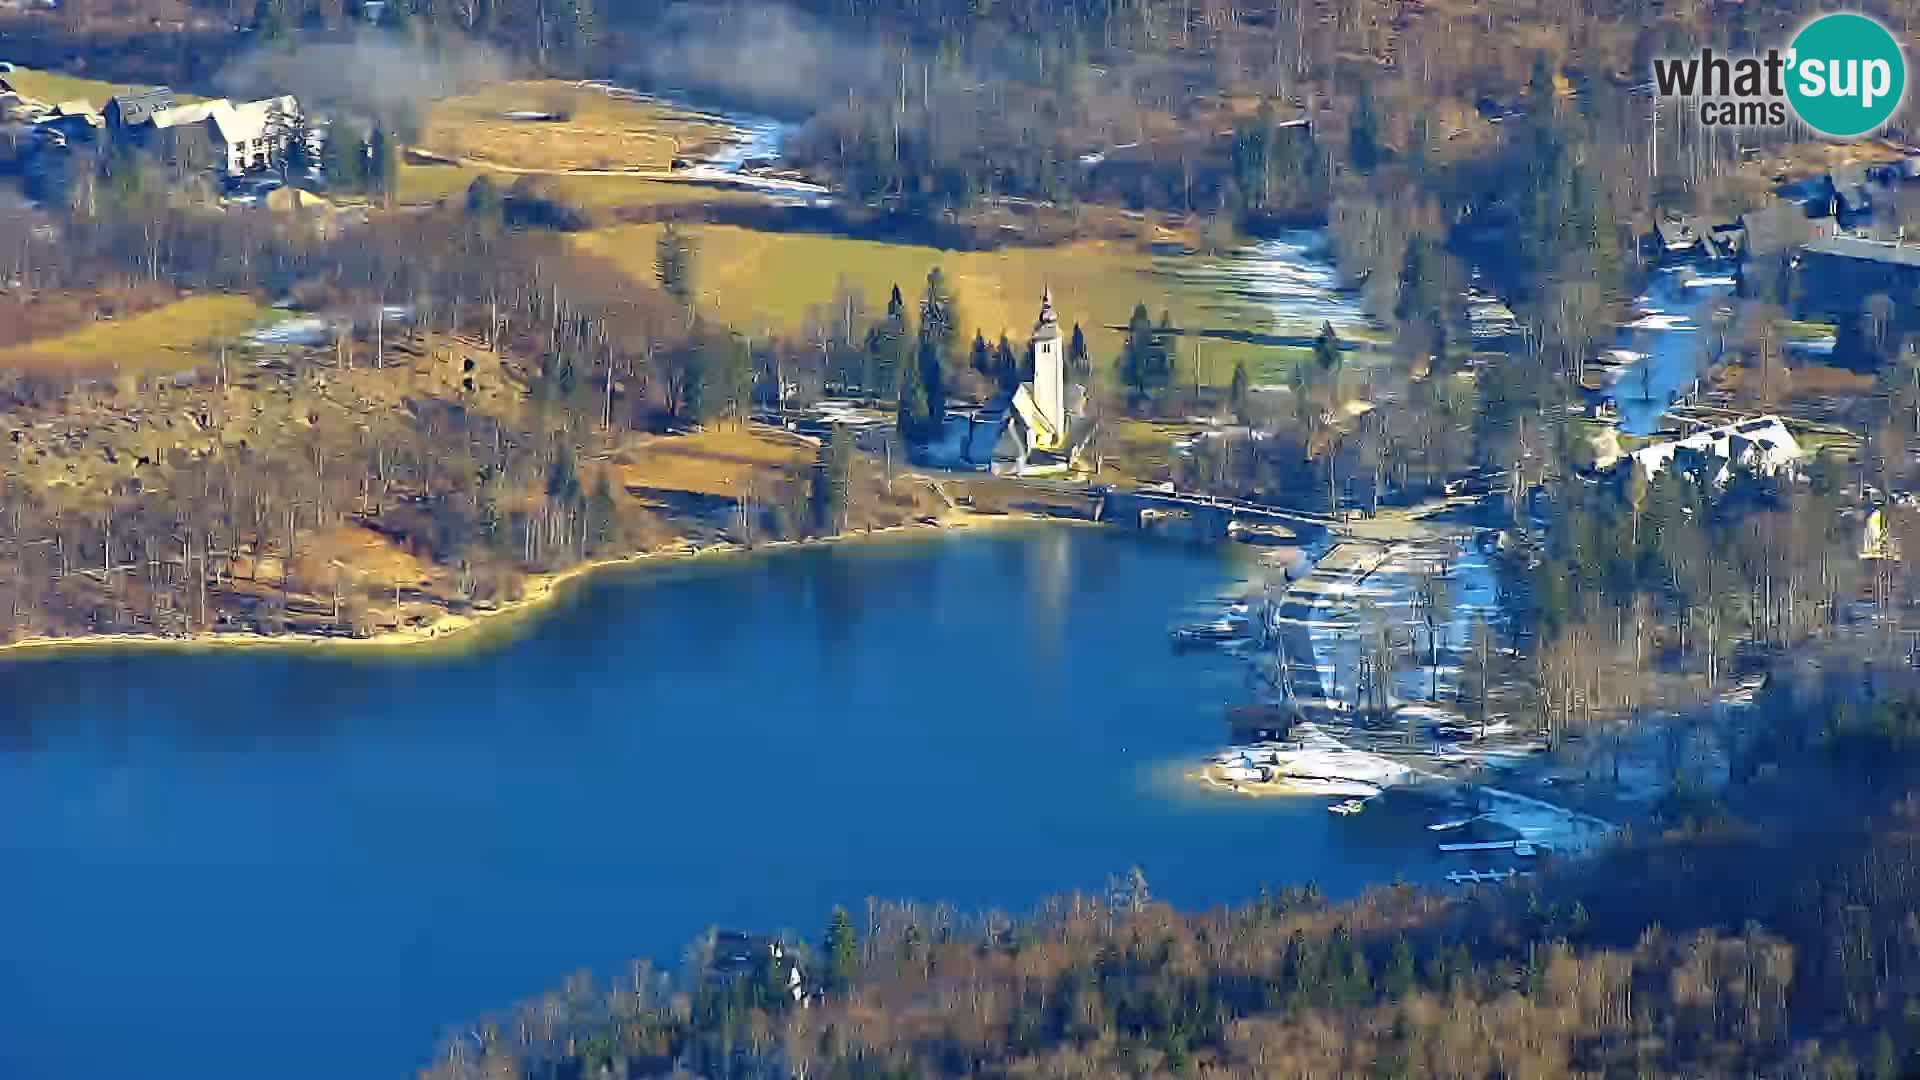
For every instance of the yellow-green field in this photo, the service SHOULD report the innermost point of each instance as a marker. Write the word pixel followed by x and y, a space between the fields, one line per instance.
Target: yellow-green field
pixel 165 338
pixel 1137 451
pixel 715 461
pixel 54 87
pixel 760 282
pixel 598 132
pixel 425 183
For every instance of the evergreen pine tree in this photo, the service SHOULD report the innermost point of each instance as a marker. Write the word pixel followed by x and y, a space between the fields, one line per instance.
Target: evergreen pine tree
pixel 343 157
pixel 1363 134
pixel 1398 980
pixel 911 407
pixel 383 162
pixel 1326 349
pixel 842 949
pixel 731 378
pixel 673 263
pixel 483 199
pixel 603 513
pixel 1079 363
pixel 1146 368
pixel 832 479
pixel 934 380
pixel 939 318
pixel 1006 367
pixel 297 160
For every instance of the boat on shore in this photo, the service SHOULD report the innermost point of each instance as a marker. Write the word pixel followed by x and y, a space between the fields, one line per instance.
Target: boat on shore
pixel 1478 877
pixel 1328 785
pixel 1217 632
pixel 1518 847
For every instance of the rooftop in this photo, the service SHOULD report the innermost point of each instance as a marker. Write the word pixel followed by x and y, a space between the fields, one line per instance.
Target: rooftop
pixel 1848 247
pixel 245 121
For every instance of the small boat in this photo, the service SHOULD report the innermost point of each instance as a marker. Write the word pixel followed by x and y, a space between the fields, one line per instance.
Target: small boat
pixel 1456 823
pixel 1351 806
pixel 1484 845
pixel 1211 633
pixel 1330 785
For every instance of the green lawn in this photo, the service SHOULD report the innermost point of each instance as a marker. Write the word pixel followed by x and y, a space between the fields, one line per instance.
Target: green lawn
pixel 760 282
pixel 597 132
pixel 425 183
pixel 54 87
pixel 1795 330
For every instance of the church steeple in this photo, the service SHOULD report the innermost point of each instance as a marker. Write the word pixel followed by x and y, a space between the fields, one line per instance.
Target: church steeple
pixel 1049 325
pixel 1049 374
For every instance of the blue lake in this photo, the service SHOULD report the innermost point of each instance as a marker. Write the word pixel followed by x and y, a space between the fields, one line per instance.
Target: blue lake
pixel 237 863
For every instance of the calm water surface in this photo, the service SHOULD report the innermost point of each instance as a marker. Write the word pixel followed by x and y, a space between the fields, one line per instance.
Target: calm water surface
pixel 236 864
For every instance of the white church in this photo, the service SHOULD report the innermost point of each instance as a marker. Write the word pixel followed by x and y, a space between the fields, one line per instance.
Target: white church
pixel 1037 430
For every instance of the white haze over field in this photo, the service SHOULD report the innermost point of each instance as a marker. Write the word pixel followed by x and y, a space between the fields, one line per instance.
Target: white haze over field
pixel 770 57
pixel 376 74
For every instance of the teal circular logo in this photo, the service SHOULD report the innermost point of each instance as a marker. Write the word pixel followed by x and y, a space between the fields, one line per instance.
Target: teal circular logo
pixel 1845 75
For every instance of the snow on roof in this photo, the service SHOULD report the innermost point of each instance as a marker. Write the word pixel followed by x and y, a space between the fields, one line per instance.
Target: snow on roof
pixel 1762 442
pixel 182 115
pixel 236 123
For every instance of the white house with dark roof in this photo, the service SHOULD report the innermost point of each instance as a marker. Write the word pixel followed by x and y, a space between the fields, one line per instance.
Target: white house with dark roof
pixel 1762 444
pixel 130 110
pixel 241 138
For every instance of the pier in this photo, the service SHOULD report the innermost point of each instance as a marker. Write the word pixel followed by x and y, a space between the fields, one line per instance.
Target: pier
pixel 1204 517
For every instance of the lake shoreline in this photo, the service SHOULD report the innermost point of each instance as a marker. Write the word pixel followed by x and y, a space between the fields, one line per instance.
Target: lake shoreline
pixel 540 591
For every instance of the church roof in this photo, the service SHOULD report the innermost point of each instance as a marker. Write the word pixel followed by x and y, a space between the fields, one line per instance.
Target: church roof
pixel 1028 411
pixel 1011 446
pixel 1048 328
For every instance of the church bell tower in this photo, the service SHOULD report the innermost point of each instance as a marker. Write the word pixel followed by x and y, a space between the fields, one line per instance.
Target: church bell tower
pixel 1050 371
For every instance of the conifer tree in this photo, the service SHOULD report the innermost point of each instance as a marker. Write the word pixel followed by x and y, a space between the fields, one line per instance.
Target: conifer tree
pixel 673 260
pixel 912 404
pixel 832 479
pixel 1078 362
pixel 843 950
pixel 1006 367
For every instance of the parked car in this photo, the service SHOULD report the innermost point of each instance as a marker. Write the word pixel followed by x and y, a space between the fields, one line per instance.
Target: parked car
pixel 252 189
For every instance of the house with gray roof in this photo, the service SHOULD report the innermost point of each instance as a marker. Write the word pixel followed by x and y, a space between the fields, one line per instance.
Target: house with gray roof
pixel 124 112
pixel 1837 273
